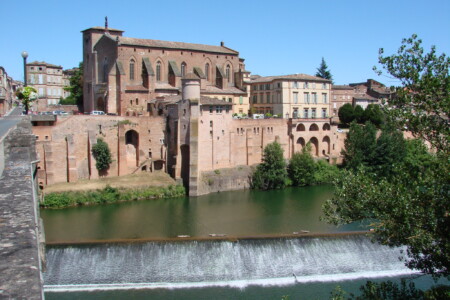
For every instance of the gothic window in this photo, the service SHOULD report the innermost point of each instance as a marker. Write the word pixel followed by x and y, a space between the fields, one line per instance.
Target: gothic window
pixel 207 71
pixel 158 71
pixel 105 69
pixel 228 73
pixel 183 69
pixel 132 69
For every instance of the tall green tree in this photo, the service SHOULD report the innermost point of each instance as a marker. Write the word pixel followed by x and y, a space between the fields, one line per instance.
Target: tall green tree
pixel 360 145
pixel 323 72
pixel 76 87
pixel 301 167
pixel 373 114
pixel 27 95
pixel 346 113
pixel 271 172
pixel 422 103
pixel 409 207
pixel 359 114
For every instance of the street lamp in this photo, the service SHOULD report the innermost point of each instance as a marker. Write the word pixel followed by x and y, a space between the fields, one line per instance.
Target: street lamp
pixel 24 55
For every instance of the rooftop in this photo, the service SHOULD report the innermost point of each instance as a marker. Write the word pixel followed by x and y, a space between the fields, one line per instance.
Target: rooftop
pixel 289 77
pixel 43 63
pixel 175 45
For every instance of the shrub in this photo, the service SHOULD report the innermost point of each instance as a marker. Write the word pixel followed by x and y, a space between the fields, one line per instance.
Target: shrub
pixel 102 155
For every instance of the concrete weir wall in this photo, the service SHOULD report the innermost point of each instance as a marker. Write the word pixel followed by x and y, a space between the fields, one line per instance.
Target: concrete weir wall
pixel 21 244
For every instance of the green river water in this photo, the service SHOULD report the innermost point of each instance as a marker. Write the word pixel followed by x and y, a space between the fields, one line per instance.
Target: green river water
pixel 238 213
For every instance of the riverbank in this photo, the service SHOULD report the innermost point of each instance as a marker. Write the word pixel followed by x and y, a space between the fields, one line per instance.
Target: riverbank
pixel 138 180
pixel 133 187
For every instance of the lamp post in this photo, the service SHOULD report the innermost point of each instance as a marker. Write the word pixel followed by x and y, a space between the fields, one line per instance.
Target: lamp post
pixel 24 55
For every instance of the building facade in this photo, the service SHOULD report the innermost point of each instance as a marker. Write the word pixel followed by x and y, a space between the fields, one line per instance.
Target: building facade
pixel 124 75
pixel 8 88
pixel 291 96
pixel 48 81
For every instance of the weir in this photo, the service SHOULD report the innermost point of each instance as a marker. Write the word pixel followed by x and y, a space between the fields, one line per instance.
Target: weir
pixel 219 263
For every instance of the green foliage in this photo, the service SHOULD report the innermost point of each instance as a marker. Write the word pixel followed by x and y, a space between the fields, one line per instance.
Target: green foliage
pixel 359 146
pixel 102 155
pixel 323 72
pixel 67 101
pixel 346 113
pixel 358 114
pixel 301 167
pixel 110 195
pixel 325 172
pixel 422 102
pixel 27 95
pixel 271 173
pixel 338 294
pixel 408 201
pixel 373 114
pixel 75 88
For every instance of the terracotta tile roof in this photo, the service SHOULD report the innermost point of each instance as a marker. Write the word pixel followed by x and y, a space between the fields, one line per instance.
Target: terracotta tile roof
pixel 210 89
pixel 175 45
pixel 165 86
pixel 342 87
pixel 204 100
pixel 289 77
pixel 42 63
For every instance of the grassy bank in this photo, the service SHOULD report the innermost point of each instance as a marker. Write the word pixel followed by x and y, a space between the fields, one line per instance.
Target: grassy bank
pixel 110 195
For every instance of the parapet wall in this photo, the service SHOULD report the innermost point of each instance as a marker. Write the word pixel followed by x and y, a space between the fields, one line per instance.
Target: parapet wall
pixel 20 242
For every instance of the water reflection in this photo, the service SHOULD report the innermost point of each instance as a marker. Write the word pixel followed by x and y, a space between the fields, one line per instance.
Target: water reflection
pixel 238 213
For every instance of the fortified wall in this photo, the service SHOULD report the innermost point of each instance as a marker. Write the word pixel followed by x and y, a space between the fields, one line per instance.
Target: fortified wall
pixel 65 147
pixel 192 137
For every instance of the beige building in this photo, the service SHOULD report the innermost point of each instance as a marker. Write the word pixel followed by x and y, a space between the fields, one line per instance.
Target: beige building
pixel 8 88
pixel 291 96
pixel 47 79
pixel 126 75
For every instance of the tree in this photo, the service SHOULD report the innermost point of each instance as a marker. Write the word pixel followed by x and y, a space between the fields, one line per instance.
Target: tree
pixel 409 207
pixel 373 114
pixel 346 113
pixel 301 168
pixel 102 155
pixel 271 173
pixel 359 114
pixel 323 72
pixel 27 94
pixel 359 146
pixel 75 88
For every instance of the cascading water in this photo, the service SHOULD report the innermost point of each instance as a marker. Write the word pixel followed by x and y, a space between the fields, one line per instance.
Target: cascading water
pixel 219 263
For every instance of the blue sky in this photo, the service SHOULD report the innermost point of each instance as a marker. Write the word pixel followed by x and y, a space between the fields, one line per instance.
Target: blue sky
pixel 275 37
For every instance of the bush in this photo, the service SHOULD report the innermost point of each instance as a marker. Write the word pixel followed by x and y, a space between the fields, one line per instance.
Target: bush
pixel 346 113
pixel 271 173
pixel 301 167
pixel 102 155
pixel 325 172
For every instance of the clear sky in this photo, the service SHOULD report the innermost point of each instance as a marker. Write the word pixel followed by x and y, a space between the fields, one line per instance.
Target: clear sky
pixel 275 37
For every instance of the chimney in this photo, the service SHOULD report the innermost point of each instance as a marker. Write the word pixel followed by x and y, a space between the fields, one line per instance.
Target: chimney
pixel 222 44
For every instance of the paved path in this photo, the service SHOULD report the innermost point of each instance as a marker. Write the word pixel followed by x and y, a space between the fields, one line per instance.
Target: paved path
pixel 10 121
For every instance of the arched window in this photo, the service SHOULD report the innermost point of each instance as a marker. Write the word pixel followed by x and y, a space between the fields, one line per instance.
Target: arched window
pixel 183 69
pixel 132 69
pixel 207 71
pixel 105 69
pixel 228 73
pixel 158 71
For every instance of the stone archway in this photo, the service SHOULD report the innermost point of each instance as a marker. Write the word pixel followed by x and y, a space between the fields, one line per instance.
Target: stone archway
pixel 314 146
pixel 326 127
pixel 300 127
pixel 313 127
pixel 301 142
pixel 132 146
pixel 326 145
pixel 100 104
